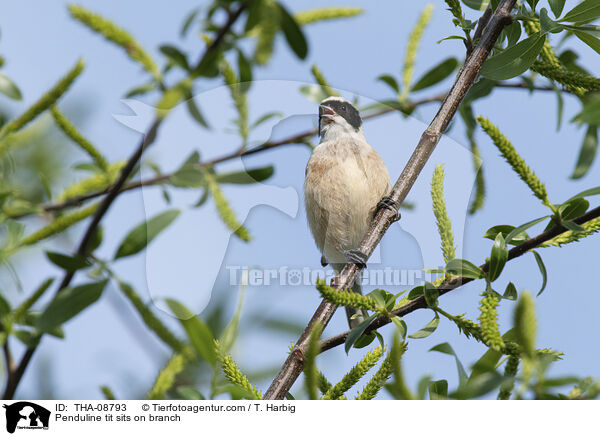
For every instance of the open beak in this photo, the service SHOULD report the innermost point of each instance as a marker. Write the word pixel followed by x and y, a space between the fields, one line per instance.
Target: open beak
pixel 326 113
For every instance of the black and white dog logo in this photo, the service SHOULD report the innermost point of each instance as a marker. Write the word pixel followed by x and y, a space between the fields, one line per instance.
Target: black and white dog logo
pixel 26 415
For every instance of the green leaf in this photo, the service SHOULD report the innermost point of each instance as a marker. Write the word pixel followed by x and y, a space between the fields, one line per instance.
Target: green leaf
pixel 265 118
pixel 189 19
pixel 573 208
pixel 590 40
pixel 438 390
pixel 585 11
pixel 587 153
pixel 513 33
pixel 572 226
pixel 200 334
pixel 68 303
pixel 138 238
pixel 557 7
pixel 357 332
pixel 428 329
pixel 505 229
pixel 431 294
pixel 293 34
pixel 446 348
pixel 400 325
pixel 141 90
pixel 314 93
pixel 547 24
pixel 478 5
pixel 522 228
pixel 586 193
pixel 390 81
pixel 514 60
pixel 230 333
pixel 175 55
pixel 436 74
pixel 542 267
pixel 246 177
pixel 464 268
pixel 590 114
pixel 510 293
pixel 8 88
pixel 189 393
pixel 498 257
pixel 4 306
pixel 68 263
pixel 188 175
pixel 478 386
pixel 195 113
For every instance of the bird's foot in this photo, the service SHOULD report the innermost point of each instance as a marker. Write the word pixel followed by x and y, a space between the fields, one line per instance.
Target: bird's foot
pixel 357 257
pixel 387 203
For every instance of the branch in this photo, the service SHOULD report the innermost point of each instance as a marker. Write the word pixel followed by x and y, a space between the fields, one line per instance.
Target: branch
pixel 15 377
pixel 447 286
pixel 293 365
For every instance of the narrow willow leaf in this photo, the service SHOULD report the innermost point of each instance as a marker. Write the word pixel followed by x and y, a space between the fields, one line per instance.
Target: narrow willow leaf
pixel 587 153
pixel 590 40
pixel 464 268
pixel 478 5
pixel 510 293
pixel 390 81
pixel 141 90
pixel 8 88
pixel 573 208
pixel 357 332
pixel 586 193
pixel 195 112
pixel 584 11
pixel 519 230
pixel 200 335
pixel 505 229
pixel 445 348
pixel 138 238
pixel 438 390
pixel 254 175
pixel 230 332
pixel 429 328
pixel 436 74
pixel 189 19
pixel 542 267
pixel 293 34
pixel 514 60
pixel 498 257
pixel 557 7
pixel 68 263
pixel 175 55
pixel 24 307
pixel 547 24
pixel 68 303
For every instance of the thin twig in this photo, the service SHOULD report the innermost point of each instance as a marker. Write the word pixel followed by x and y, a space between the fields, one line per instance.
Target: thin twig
pixel 292 367
pixel 447 286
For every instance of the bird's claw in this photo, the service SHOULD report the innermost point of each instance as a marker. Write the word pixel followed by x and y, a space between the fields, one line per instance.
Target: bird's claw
pixel 357 257
pixel 387 203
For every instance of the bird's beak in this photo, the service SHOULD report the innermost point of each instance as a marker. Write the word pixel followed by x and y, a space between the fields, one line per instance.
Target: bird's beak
pixel 326 113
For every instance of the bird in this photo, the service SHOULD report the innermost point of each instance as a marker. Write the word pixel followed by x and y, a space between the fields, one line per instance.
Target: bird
pixel 346 183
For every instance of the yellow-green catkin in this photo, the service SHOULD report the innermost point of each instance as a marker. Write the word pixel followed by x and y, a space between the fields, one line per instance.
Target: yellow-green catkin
pixel 466 326
pixel 225 211
pixel 166 377
pixel 566 77
pixel 115 34
pixel 355 374
pixel 345 297
pixel 235 375
pixel 150 319
pixel 60 224
pixel 311 373
pixel 267 29
pixel 512 366
pixel 172 96
pixel 322 14
pixel 525 324
pixel 378 380
pixel 396 353
pixel 411 49
pixel 45 102
pixel 549 57
pixel 71 131
pixel 514 160
pixel 569 236
pixel 94 183
pixel 441 214
pixel 479 198
pixel 488 320
pixel 323 383
pixel 455 9
pixel 320 78
pixel 238 97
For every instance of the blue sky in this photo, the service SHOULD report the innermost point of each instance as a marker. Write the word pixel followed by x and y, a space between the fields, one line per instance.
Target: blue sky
pixel 108 345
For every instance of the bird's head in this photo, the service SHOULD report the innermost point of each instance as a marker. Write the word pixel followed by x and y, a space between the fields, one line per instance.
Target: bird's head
pixel 339 118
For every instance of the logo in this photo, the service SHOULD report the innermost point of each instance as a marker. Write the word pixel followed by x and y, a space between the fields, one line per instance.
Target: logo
pixel 26 415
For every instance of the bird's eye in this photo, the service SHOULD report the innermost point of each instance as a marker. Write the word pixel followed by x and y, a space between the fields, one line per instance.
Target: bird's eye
pixel 344 107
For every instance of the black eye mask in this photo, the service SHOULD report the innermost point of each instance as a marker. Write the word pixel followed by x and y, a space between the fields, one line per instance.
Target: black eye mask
pixel 346 111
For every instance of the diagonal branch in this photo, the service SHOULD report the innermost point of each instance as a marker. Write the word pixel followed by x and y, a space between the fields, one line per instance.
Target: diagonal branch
pixel 449 285
pixel 293 365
